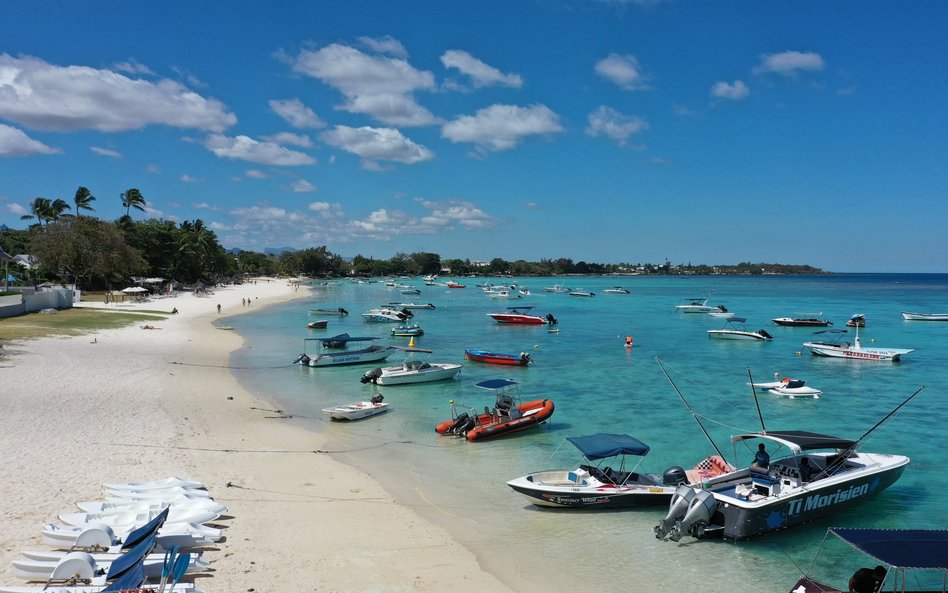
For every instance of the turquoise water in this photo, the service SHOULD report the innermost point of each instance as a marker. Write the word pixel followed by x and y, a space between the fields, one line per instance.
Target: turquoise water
pixel 600 386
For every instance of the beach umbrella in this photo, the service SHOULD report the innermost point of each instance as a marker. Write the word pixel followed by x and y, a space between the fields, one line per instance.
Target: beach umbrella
pixel 134 289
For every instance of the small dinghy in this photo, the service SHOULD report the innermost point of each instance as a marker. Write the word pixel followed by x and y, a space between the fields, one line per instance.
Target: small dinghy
pixel 787 387
pixel 358 410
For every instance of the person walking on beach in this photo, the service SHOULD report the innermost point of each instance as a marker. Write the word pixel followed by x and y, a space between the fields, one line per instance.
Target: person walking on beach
pixel 218 308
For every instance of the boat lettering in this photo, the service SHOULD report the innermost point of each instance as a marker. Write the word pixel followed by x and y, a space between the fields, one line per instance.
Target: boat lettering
pixel 819 501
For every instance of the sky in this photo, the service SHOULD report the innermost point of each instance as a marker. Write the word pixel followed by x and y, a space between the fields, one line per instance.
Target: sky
pixel 805 132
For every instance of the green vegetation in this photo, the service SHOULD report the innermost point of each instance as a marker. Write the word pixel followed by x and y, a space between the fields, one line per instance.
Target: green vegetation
pixel 69 322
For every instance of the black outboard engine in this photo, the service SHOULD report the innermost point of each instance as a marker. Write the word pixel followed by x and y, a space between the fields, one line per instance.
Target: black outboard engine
pixel 764 333
pixel 468 424
pixel 722 308
pixel 674 476
pixel 343 311
pixel 303 360
pixel 372 376
pixel 407 313
pixel 460 421
pixel 431 305
pixel 377 398
pixel 550 319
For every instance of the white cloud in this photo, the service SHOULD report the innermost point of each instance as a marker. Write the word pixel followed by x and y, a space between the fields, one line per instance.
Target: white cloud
pixel 106 152
pixel 378 86
pixel 17 209
pixel 480 73
pixel 290 138
pixel 247 149
pixel 790 63
pixel 385 45
pixel 45 96
pixel 320 206
pixel 374 144
pixel 445 214
pixel 302 186
pixel 255 174
pixel 188 179
pixel 327 210
pixel 296 114
pixel 206 206
pixel 132 66
pixel 15 142
pixel 623 70
pixel 725 90
pixel 606 121
pixel 502 127
pixel 153 168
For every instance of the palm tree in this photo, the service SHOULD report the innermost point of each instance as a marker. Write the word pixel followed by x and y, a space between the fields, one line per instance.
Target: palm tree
pixel 41 209
pixel 57 209
pixel 83 199
pixel 132 198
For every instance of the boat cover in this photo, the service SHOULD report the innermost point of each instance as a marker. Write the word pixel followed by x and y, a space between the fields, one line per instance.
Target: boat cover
pixel 921 549
pixel 801 439
pixel 602 445
pixel 495 383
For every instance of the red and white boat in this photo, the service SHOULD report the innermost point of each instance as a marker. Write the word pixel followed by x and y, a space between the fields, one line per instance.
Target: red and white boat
pixel 453 284
pixel 509 415
pixel 521 315
pixel 522 359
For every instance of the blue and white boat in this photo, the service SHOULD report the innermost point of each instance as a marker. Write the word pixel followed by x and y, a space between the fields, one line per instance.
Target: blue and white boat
pixel 385 315
pixel 340 354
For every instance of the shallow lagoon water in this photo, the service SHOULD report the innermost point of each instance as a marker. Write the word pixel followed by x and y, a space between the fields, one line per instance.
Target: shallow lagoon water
pixel 598 385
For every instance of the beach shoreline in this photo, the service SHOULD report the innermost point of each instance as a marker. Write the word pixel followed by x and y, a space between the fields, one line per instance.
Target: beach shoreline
pixel 137 404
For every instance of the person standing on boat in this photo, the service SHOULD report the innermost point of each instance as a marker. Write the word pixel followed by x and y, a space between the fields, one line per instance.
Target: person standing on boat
pixel 806 471
pixel 761 460
pixel 867 580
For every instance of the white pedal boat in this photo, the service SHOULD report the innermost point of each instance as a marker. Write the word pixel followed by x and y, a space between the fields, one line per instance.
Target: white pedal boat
pixel 164 484
pixel 82 563
pixel 169 492
pixel 184 535
pixel 178 588
pixel 133 520
pixel 130 505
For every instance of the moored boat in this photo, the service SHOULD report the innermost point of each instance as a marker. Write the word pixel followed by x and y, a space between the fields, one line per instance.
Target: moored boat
pixel 410 306
pixel 337 311
pixel 412 370
pixel 453 284
pixel 407 331
pixel 734 329
pixel 342 355
pixel 813 320
pixel 358 410
pixel 522 359
pixel 508 415
pixel 603 486
pixel 386 315
pixel 579 292
pixel 787 387
pixel 924 316
pixel 837 348
pixel 700 305
pixel 522 316
pixel 615 290
pixel 321 324
pixel 857 320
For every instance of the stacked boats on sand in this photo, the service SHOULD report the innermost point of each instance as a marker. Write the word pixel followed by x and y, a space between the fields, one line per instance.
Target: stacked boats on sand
pixel 142 535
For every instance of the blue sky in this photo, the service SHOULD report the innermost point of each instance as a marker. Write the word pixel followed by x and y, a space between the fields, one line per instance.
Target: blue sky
pixel 703 132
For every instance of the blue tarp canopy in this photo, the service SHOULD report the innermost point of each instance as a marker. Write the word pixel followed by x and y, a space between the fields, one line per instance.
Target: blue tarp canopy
pixel 602 445
pixel 920 549
pixel 495 383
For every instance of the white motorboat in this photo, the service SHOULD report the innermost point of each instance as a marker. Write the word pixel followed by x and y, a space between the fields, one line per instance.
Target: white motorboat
pixel 558 288
pixel 787 387
pixel 412 370
pixel 803 320
pixel 615 290
pixel 385 315
pixel 700 305
pixel 924 316
pixel 334 351
pixel 837 348
pixel 504 294
pixel 734 329
pixel 412 305
pixel 358 410
pixel 579 292
pixel 522 316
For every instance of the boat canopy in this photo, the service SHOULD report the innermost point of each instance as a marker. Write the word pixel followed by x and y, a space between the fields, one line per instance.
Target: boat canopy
pixel 341 338
pixel 602 445
pixel 920 549
pixel 495 383
pixel 798 440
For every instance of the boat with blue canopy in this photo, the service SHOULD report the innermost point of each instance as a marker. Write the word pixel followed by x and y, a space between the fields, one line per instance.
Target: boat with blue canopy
pixel 605 485
pixel 342 354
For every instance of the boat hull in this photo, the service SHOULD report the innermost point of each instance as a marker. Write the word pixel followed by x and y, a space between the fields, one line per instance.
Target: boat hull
pixel 924 316
pixel 835 351
pixel 356 410
pixel 558 489
pixel 374 354
pixel 400 376
pixel 726 334
pixel 517 319
pixel 521 359
pixel 787 322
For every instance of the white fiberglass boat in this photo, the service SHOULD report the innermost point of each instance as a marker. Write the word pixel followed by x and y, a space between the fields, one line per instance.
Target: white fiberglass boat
pixel 358 410
pixel 837 348
pixel 924 316
pixel 787 387
pixel 734 329
pixel 334 351
pixel 412 370
pixel 700 305
pixel 615 290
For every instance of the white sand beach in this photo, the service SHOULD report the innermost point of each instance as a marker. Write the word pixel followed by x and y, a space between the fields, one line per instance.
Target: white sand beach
pixel 115 406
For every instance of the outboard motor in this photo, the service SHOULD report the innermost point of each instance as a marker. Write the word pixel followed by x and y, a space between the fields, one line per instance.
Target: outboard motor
pixel 698 516
pixel 377 398
pixel 795 383
pixel 469 423
pixel 764 333
pixel 371 376
pixel 407 313
pixel 431 305
pixel 722 308
pixel 674 476
pixel 677 507
pixel 550 319
pixel 303 360
pixel 343 311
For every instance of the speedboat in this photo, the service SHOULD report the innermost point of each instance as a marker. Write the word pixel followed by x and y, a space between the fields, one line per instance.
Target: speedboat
pixel 321 324
pixel 615 290
pixel 603 486
pixel 901 550
pixel 837 348
pixel 386 315
pixel 734 329
pixel 337 311
pixel 522 359
pixel 814 320
pixel 521 315
pixel 413 291
pixel 700 305
pixel 924 316
pixel 453 284
pixel 508 415
pixel 408 331
pixel 371 353
pixel 579 292
pixel 412 370
pixel 787 387
pixel 358 410
pixel 808 476
pixel 857 320
pixel 411 306
pixel 557 288
pixel 504 294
